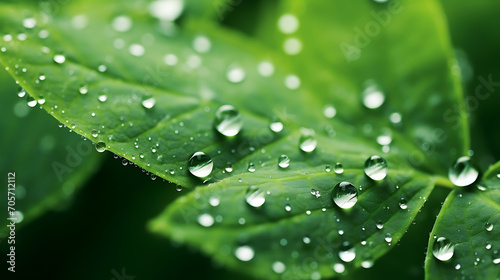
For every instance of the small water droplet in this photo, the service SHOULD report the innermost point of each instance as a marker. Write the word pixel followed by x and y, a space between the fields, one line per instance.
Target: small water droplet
pixel 149 103
pixel 279 267
pixel 229 167
pixel 307 142
pixel 339 268
pixel 288 208
pixel 136 50
pixel 462 173
pixel 265 69
pixel 206 220
pixel 292 46
pixel 380 225
pixel 388 237
pixel 488 226
pixel 102 68
pixel 94 133
pixel 59 58
pixel 201 44
pixel 372 96
pixel 347 253
pixel 496 257
pixel 402 204
pixel 228 120
pixel 251 167
pixel 244 253
pixel 488 245
pixel 200 165
pixel 338 168
pixel 276 126
pixel 83 90
pixel 345 195
pixel 100 146
pixel 329 111
pixel 235 74
pixel 328 168
pixel 283 161
pixel 396 118
pixel 376 168
pixel 367 264
pixel 443 249
pixel 214 201
pixel 255 196
pixel 103 98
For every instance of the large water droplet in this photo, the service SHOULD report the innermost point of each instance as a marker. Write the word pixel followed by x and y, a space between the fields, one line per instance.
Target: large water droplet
pixel 307 142
pixel 376 168
pixel 206 220
pixel 244 253
pixel 347 253
pixel 228 120
pixel 372 96
pixel 345 195
pixel 100 146
pixel 283 161
pixel 200 165
pixel 462 173
pixel 443 249
pixel 255 196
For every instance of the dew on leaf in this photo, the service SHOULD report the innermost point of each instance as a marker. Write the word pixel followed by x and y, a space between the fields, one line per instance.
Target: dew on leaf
pixel 279 267
pixel 347 253
pixel 102 98
pixel 31 101
pixel 402 204
pixel 328 168
pixel 339 169
pixel 372 96
pixel 307 142
pixel 496 257
pixel 166 10
pixel 288 208
pixel 255 196
pixel 443 249
pixel 229 167
pixel 345 195
pixel 206 220
pixel 276 126
pixel 380 225
pixel 149 103
pixel 83 90
pixel 458 266
pixel 59 58
pixel 488 226
pixel 214 201
pixel 462 173
pixel 200 165
pixel 376 168
pixel 94 133
pixel 228 120
pixel 283 161
pixel 244 253
pixel 100 146
pixel 388 237
pixel 251 167
pixel 488 245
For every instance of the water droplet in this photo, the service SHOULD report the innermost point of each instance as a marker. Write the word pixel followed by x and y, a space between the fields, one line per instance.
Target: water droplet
pixel 103 98
pixel 244 253
pixel 388 237
pixel 339 268
pixel 201 44
pixel 496 257
pixel 265 69
pixel 94 133
pixel 380 225
pixel 279 267
pixel 402 204
pixel 121 23
pixel 338 168
pixel 288 208
pixel 251 167
pixel 288 23
pixel 462 173
pixel 292 46
pixel 255 196
pixel 345 195
pixel 214 201
pixel 306 240
pixel 149 103
pixel 488 245
pixel 396 118
pixel 102 68
pixel 83 90
pixel 206 220
pixel 372 96
pixel 229 167
pixel 136 50
pixel 328 168
pixel 200 165
pixel 29 23
pixel 488 226
pixel 376 168
pixel 308 140
pixel 329 111
pixel 443 249
pixel 228 120
pixel 276 126
pixel 283 161
pixel 166 10
pixel 235 74
pixel 59 58
pixel 315 193
pixel 347 253
pixel 100 146
pixel 458 266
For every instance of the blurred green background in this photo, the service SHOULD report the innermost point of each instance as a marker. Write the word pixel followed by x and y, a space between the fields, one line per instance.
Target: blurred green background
pixel 102 229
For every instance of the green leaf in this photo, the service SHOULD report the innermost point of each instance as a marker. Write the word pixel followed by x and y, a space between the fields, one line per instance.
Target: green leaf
pixel 48 163
pixel 188 92
pixel 470 220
